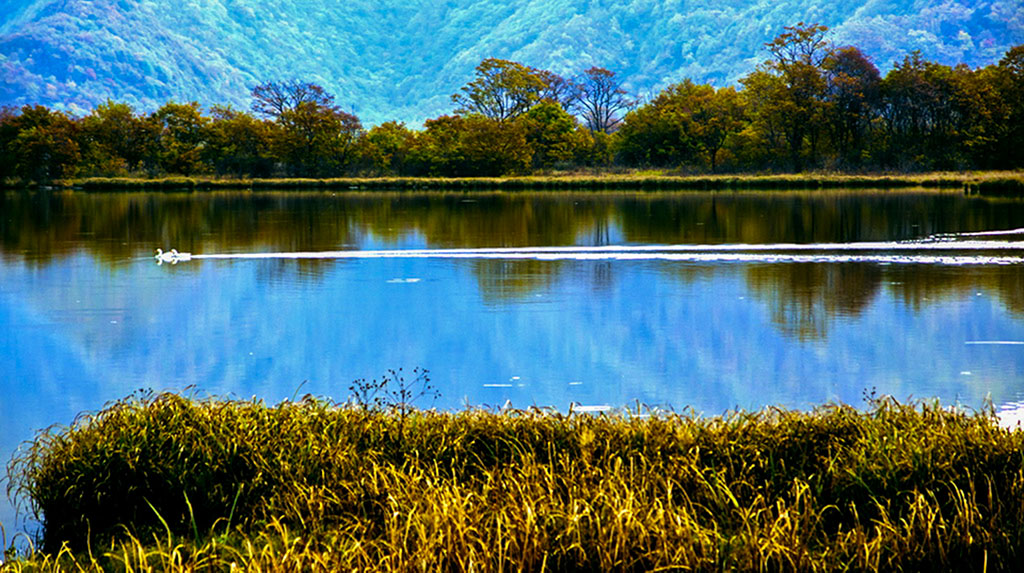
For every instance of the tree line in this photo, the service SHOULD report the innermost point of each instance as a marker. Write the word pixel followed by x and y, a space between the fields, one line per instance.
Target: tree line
pixel 810 105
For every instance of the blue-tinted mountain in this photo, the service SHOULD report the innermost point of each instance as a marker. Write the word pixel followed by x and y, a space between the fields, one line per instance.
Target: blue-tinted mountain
pixel 402 59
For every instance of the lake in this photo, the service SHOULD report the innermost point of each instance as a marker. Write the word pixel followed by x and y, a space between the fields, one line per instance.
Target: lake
pixel 702 301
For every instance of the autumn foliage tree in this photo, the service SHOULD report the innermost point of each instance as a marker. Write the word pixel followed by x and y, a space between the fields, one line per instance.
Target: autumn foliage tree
pixel 808 105
pixel 385 148
pixel 313 137
pixel 852 96
pixel 553 135
pixel 8 133
pixel 180 129
pixel 316 140
pixel 655 134
pixel 39 144
pixel 686 123
pixel 558 90
pixel 117 141
pixel 501 90
pixel 787 92
pixel 437 150
pixel 922 110
pixel 470 146
pixel 1008 80
pixel 238 144
pixel 716 114
pixel 491 148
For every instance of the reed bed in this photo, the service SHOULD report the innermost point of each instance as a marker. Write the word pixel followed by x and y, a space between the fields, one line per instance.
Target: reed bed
pixel 1005 183
pixel 171 483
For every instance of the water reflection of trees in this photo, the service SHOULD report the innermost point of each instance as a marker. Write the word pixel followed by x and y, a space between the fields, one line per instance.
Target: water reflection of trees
pixel 115 227
pixel 496 220
pixel 917 286
pixel 507 280
pixel 818 217
pixel 112 226
pixel 502 280
pixel 803 299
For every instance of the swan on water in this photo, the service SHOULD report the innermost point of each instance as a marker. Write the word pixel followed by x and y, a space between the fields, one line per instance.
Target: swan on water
pixel 173 257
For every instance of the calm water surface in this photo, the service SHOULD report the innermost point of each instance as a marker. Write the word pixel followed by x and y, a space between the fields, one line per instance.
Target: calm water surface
pixel 87 316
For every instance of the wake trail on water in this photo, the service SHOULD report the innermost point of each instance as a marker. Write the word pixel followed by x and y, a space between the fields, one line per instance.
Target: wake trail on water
pixel 991 233
pixel 943 251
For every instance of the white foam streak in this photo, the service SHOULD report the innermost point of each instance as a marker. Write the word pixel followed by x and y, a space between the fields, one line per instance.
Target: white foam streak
pixel 933 252
pixel 1011 415
pixel 992 233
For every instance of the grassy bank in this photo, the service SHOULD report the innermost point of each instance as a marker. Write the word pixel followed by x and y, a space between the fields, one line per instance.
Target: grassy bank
pixel 173 483
pixel 1006 183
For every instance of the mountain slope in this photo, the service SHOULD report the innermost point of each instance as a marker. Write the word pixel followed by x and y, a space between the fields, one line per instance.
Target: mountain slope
pixel 401 59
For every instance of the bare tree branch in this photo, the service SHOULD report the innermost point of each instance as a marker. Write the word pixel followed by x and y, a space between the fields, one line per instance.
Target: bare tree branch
pixel 272 99
pixel 600 100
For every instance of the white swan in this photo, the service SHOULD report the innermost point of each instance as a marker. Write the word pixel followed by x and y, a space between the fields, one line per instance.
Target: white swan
pixel 173 257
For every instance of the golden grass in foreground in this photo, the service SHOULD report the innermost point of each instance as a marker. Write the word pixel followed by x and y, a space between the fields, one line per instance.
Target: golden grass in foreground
pixel 168 483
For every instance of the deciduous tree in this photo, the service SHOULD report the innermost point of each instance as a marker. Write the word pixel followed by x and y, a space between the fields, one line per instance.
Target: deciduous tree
pixel 471 146
pixel 181 131
pixel 601 99
pixel 273 99
pixel 316 140
pixel 559 90
pixel 117 141
pixel 437 149
pixel 492 148
pixel 852 95
pixel 44 145
pixel 1008 78
pixel 921 109
pixel 683 124
pixel 236 143
pixel 787 92
pixel 715 115
pixel 984 119
pixel 656 133
pixel 502 90
pixel 8 132
pixel 552 133
pixel 384 149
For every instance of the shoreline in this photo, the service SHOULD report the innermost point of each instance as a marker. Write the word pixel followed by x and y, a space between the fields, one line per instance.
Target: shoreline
pixel 983 183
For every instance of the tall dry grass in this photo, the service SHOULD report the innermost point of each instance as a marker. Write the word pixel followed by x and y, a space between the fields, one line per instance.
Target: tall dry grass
pixel 169 483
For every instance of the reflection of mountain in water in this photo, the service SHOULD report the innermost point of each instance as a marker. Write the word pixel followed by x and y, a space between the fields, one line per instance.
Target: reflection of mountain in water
pixel 803 298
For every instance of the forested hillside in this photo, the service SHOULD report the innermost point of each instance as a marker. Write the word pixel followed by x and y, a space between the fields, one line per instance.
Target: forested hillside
pixel 402 59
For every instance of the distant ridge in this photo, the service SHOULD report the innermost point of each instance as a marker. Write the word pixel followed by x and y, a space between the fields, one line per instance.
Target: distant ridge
pixel 402 59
